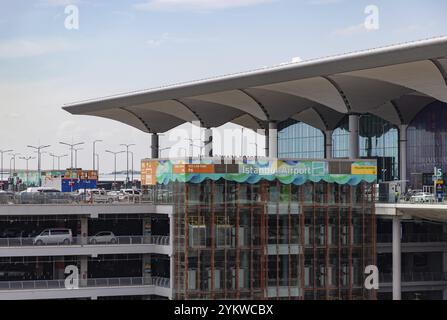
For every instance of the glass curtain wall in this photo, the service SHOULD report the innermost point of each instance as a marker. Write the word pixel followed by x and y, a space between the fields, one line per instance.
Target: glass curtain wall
pixel 378 139
pixel 300 140
pixel 272 241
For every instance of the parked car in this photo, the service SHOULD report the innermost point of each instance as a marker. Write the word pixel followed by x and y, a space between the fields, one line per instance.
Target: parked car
pixel 422 197
pixel 54 236
pixel 99 196
pixel 6 197
pixel 104 237
pixel 410 193
pixel 114 194
pixel 129 195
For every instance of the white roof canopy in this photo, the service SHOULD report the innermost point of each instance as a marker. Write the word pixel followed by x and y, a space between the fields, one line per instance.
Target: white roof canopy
pixel 394 83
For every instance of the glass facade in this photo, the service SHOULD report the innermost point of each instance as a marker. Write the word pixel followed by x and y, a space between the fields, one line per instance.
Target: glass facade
pixel 379 140
pixel 299 140
pixel 271 240
pixel 427 142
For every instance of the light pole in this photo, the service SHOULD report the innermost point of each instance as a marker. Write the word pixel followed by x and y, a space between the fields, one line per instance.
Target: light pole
pixel 13 170
pixel 76 156
pixel 191 144
pixel 97 163
pixel 13 158
pixel 127 146
pixel 2 153
pixel 39 153
pixel 27 159
pixel 71 145
pixel 163 149
pixel 59 157
pixel 131 153
pixel 94 152
pixel 256 145
pixel 115 154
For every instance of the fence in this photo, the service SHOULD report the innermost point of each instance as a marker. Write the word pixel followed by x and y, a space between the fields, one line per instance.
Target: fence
pixel 90 283
pixel 76 241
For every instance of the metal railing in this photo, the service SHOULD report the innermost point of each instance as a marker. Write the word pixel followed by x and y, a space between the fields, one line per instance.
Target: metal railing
pixel 414 237
pixel 415 277
pixel 86 241
pixel 89 283
pixel 60 198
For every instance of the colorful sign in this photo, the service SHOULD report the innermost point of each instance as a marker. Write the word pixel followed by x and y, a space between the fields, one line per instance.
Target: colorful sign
pixel 252 171
pixel 149 173
pixel 364 168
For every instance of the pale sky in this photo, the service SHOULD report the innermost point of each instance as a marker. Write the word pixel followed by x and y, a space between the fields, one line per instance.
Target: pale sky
pixel 129 45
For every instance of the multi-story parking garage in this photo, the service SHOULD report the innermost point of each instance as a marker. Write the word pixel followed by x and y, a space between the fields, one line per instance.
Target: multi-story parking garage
pixel 386 104
pixel 134 262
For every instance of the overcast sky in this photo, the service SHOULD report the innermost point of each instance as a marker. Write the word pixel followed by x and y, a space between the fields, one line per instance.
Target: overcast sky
pixel 128 45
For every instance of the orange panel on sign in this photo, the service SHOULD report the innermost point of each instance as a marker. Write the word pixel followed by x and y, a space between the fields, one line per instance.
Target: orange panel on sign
pixel 149 173
pixel 199 168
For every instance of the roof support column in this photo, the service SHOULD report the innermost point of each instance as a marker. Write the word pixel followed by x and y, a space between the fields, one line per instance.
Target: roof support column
pixel 272 140
pixel 403 157
pixel 354 136
pixel 208 142
pixel 397 257
pixel 155 146
pixel 328 144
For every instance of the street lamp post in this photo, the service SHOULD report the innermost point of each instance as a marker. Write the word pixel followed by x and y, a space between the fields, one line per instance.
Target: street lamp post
pixel 14 156
pixel 2 152
pixel 115 154
pixel 163 149
pixel 97 163
pixel 71 145
pixel 256 145
pixel 94 152
pixel 59 157
pixel 191 145
pixel 39 154
pixel 76 156
pixel 131 154
pixel 27 159
pixel 127 146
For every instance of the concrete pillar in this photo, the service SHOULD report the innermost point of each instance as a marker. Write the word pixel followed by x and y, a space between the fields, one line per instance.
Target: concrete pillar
pixel 354 136
pixel 147 269
pixel 272 140
pixel 444 262
pixel 84 230
pixel 328 144
pixel 147 230
pixel 208 142
pixel 83 271
pixel 397 259
pixel 58 268
pixel 403 156
pixel 155 146
pixel 171 256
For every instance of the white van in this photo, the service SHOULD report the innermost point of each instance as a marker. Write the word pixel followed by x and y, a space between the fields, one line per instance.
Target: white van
pixel 54 236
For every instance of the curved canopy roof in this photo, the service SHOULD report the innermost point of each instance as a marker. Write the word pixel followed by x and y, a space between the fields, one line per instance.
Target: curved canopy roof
pixel 394 83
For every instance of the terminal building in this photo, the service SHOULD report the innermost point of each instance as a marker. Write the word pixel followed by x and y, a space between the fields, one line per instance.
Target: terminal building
pixel 386 104
pixel 218 234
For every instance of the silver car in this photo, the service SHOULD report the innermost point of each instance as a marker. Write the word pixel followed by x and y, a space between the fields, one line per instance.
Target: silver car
pixel 54 236
pixel 423 197
pixel 104 237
